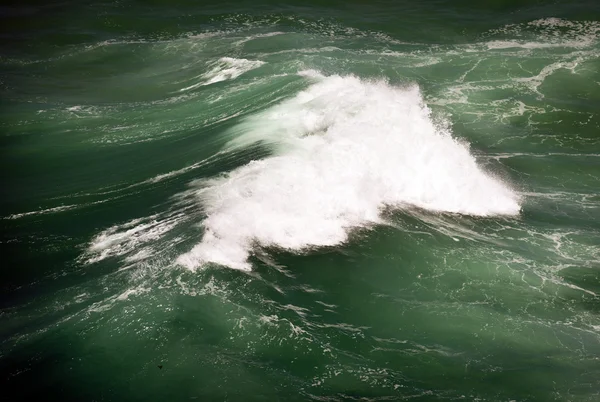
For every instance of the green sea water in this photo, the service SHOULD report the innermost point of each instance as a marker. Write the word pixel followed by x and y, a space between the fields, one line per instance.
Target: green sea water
pixel 321 200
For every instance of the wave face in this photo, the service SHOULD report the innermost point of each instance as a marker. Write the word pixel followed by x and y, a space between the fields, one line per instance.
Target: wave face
pixel 343 149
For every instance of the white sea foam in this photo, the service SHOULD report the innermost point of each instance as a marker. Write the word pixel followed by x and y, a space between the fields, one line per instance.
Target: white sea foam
pixel 343 149
pixel 226 68
pixel 42 211
pixel 178 172
pixel 548 32
pixel 510 44
pixel 54 210
pixel 127 238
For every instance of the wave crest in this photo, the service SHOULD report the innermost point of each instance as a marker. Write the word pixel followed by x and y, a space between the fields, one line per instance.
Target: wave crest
pixel 344 149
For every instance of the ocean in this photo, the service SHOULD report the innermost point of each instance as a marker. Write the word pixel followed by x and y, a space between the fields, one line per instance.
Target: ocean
pixel 319 200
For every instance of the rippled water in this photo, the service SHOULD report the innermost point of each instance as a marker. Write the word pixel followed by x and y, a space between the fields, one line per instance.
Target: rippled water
pixel 242 201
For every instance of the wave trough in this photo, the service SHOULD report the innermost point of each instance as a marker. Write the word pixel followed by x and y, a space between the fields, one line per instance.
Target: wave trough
pixel 342 150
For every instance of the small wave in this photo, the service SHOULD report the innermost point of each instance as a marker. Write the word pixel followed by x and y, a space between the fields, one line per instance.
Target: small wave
pixel 547 32
pixel 226 68
pixel 344 149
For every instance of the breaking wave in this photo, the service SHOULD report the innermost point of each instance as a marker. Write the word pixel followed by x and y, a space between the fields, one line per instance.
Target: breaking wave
pixel 342 150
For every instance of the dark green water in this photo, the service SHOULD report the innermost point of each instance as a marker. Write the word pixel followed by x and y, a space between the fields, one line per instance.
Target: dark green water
pixel 327 200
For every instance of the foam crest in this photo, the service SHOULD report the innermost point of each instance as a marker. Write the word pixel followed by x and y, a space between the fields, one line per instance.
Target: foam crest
pixel 343 149
pixel 226 68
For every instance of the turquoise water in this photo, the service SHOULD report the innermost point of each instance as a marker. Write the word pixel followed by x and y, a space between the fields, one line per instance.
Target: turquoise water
pixel 328 201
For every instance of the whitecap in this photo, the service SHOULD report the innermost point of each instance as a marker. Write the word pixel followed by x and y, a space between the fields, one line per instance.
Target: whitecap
pixel 226 68
pixel 343 149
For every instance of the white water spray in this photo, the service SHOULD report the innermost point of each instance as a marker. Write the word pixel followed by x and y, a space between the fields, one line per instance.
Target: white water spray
pixel 343 149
